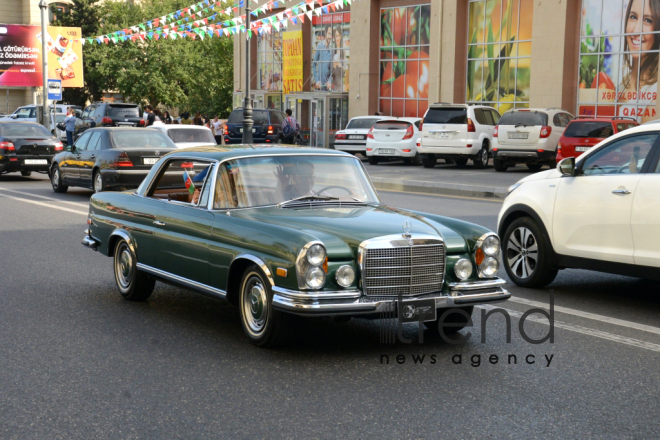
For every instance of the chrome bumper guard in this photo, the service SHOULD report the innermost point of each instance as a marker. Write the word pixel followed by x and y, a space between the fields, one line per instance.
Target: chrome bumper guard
pixel 88 241
pixel 354 303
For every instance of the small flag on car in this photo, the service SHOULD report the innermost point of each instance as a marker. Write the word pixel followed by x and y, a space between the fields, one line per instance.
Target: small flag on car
pixel 188 182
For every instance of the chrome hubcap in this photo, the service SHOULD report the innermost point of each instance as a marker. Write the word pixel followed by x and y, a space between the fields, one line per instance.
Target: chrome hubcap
pixel 522 252
pixel 124 268
pixel 56 178
pixel 255 305
pixel 99 183
pixel 484 156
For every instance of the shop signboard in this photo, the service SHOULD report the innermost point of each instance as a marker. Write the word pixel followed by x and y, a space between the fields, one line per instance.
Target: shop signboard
pixel 21 61
pixel 292 61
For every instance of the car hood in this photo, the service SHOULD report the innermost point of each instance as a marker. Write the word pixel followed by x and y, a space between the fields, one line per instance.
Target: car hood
pixel 342 230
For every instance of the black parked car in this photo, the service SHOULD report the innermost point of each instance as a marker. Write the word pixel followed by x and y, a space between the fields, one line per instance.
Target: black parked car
pixel 26 147
pixel 267 126
pixel 103 114
pixel 109 158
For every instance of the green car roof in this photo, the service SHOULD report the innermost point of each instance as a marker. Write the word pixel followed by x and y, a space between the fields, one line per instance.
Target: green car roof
pixel 241 150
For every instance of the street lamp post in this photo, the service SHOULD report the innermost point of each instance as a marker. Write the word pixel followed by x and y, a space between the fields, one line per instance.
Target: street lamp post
pixel 248 123
pixel 44 62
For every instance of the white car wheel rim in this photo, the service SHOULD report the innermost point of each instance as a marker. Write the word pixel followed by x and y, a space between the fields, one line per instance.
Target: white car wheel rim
pixel 522 253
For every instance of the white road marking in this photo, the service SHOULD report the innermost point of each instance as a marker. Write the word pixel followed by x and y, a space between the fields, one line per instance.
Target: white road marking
pixel 83 205
pixel 583 330
pixel 587 315
pixel 47 205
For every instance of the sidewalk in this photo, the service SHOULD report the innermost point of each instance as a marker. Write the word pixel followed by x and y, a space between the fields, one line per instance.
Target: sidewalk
pixel 445 179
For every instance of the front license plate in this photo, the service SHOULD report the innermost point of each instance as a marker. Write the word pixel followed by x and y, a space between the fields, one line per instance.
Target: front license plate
pixel 414 310
pixel 518 135
pixel 385 151
pixel 582 148
pixel 150 160
pixel 35 162
pixel 356 136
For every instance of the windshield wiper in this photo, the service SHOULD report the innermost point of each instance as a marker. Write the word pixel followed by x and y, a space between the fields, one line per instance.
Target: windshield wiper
pixel 307 197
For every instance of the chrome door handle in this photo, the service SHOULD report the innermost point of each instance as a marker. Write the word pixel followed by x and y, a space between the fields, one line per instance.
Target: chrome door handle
pixel 157 223
pixel 622 192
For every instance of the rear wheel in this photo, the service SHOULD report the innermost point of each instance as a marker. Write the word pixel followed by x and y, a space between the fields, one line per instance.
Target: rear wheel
pixel 133 285
pixel 428 161
pixel 500 165
pixel 372 160
pixel 534 166
pixel 457 320
pixel 263 325
pixel 56 180
pixel 26 173
pixel 481 161
pixel 415 161
pixel 98 182
pixel 461 162
pixel 526 255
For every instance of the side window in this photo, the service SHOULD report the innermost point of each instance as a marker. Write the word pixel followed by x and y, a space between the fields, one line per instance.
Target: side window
pixel 417 124
pixel 620 126
pixel 85 113
pixel 33 112
pixel 631 125
pixel 275 118
pixel 182 181
pixel 556 120
pixel 22 113
pixel 94 141
pixel 479 116
pixel 496 116
pixel 225 187
pixel 624 156
pixel 81 143
pixel 489 117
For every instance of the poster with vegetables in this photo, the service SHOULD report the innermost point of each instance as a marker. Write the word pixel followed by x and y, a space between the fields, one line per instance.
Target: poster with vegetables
pixel 404 60
pixel 619 47
pixel 499 53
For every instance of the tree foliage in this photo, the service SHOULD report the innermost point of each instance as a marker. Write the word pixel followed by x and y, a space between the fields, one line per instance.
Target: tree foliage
pixel 193 75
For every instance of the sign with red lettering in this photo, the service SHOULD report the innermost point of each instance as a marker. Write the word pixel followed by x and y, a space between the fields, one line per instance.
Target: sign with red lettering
pixel 292 61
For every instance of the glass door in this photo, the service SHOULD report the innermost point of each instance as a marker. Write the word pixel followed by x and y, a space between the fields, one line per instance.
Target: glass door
pixel 317 123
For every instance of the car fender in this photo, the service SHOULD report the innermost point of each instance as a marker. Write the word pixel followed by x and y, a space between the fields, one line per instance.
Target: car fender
pixel 115 236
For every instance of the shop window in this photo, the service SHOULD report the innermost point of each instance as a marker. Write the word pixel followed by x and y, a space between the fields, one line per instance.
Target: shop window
pixel 499 53
pixel 619 45
pixel 269 60
pixel 404 60
pixel 331 51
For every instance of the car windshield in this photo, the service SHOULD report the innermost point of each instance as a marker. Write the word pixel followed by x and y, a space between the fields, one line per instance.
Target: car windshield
pixel 524 118
pixel 123 111
pixel 361 124
pixel 446 115
pixel 24 130
pixel 258 116
pixel 589 129
pixel 263 181
pixel 190 135
pixel 141 138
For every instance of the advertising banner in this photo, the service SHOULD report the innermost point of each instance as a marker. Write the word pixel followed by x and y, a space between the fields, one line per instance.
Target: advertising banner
pixel 331 51
pixel 292 61
pixel 20 55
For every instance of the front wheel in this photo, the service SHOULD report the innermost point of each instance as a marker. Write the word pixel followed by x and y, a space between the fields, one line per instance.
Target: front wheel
pixel 56 180
pixel 133 285
pixel 26 173
pixel 372 160
pixel 526 255
pixel 500 165
pixel 98 182
pixel 429 161
pixel 534 166
pixel 481 161
pixel 263 325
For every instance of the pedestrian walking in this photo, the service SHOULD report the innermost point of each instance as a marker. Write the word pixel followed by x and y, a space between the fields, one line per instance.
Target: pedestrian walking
pixel 166 117
pixel 151 117
pixel 198 119
pixel 70 125
pixel 158 117
pixel 290 127
pixel 216 127
pixel 185 118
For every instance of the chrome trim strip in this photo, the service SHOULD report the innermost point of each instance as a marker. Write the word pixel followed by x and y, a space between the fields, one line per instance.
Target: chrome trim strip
pixel 259 262
pixel 476 285
pixel 498 295
pixel 317 295
pixel 212 291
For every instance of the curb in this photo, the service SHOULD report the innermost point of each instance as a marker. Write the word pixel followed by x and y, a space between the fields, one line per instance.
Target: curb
pixel 452 189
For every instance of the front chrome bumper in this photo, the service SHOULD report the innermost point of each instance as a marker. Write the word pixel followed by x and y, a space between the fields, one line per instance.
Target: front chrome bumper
pixel 354 303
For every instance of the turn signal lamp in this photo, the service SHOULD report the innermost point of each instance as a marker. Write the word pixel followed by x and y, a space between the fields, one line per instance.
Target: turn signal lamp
pixel 545 131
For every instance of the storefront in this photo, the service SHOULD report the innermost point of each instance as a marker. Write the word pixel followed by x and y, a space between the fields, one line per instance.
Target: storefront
pixel 590 57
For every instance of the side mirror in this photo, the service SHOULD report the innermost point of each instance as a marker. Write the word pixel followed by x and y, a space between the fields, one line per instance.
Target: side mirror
pixel 14 116
pixel 567 167
pixel 69 148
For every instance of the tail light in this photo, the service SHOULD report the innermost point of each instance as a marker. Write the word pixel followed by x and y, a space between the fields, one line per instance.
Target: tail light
pixel 106 120
pixel 226 128
pixel 7 146
pixel 406 151
pixel 59 146
pixel 545 131
pixel 495 150
pixel 409 132
pixel 340 136
pixel 123 160
pixel 369 149
pixel 559 150
pixel 270 129
pixel 141 122
pixel 471 127
pixel 495 130
pixel 419 143
pixel 370 135
pixel 420 124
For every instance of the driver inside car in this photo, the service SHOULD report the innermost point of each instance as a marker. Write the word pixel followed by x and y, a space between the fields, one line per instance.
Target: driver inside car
pixel 296 179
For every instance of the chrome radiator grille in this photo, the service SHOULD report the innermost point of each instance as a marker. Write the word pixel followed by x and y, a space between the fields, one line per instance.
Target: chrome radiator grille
pixel 411 270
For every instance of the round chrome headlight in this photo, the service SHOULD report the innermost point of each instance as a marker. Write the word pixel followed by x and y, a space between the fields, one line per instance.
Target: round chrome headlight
pixel 463 269
pixel 315 277
pixel 491 246
pixel 316 255
pixel 345 276
pixel 489 267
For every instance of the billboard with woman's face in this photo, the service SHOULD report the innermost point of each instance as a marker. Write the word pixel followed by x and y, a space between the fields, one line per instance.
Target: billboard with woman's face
pixel 619 47
pixel 331 51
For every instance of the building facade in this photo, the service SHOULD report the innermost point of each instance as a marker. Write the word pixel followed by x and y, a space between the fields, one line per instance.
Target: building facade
pixel 590 57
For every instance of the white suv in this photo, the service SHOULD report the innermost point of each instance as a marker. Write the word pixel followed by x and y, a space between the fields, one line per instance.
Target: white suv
pixel 529 136
pixel 457 132
pixel 599 212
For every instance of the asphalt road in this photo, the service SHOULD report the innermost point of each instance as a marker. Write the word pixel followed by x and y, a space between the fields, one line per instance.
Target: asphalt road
pixel 78 362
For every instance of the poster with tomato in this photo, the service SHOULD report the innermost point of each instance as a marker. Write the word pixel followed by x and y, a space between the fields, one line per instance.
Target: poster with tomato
pixel 619 50
pixel 404 60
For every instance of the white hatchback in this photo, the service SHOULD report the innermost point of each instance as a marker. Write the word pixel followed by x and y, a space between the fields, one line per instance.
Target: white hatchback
pixel 394 138
pixel 599 212
pixel 185 136
pixel 353 139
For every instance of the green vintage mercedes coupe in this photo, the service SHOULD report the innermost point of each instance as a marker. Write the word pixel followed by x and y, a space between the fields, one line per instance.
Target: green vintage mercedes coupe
pixel 281 231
